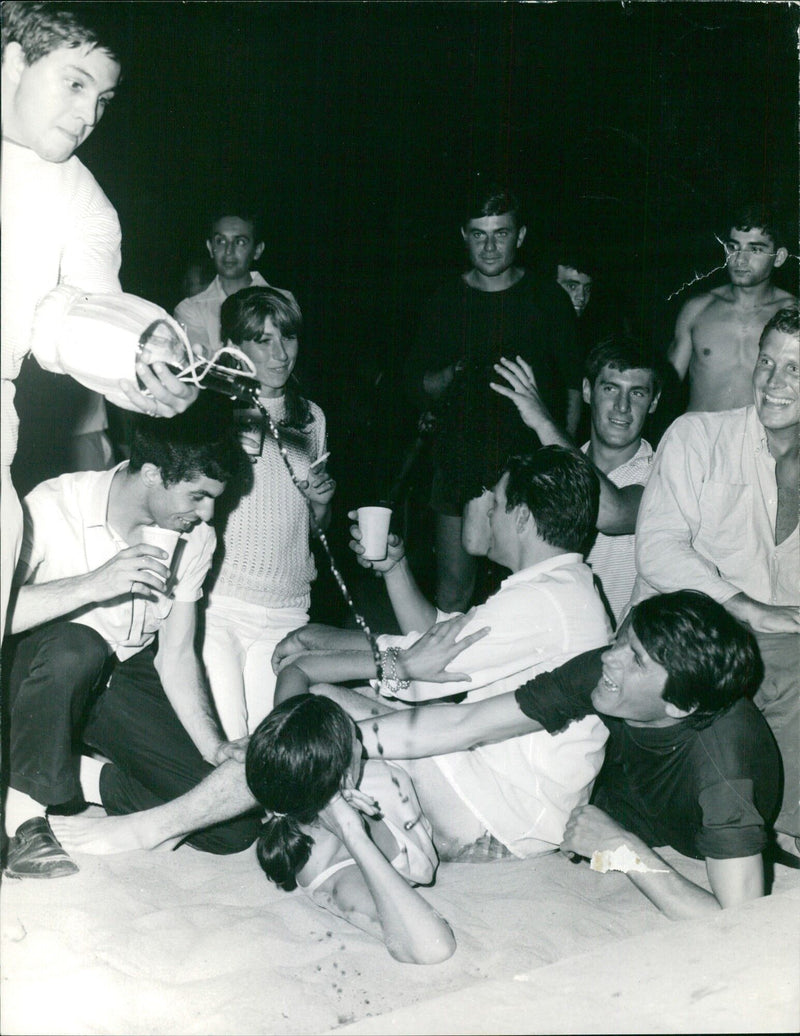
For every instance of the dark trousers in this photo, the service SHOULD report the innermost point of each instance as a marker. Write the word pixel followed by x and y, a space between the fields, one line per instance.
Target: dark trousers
pixel 64 691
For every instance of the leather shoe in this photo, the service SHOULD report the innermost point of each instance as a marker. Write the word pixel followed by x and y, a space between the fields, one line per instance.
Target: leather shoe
pixel 35 852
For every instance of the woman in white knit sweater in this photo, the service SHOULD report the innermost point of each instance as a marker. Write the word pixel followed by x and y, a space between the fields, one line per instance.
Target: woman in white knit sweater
pixel 261 580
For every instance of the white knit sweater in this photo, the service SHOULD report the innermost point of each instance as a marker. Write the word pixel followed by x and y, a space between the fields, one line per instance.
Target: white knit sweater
pixel 267 559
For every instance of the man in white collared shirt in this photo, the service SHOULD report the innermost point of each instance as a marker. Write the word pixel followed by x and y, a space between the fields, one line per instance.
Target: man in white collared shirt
pixel 91 596
pixel 235 243
pixel 521 793
pixel 719 514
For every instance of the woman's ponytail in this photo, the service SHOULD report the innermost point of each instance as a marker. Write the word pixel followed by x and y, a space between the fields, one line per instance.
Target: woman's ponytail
pixel 283 850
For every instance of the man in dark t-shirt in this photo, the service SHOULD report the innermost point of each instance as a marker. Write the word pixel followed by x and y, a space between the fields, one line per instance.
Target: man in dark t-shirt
pixel 494 309
pixel 690 761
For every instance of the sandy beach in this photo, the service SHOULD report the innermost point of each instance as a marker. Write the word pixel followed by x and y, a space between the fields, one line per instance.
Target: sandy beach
pixel 184 943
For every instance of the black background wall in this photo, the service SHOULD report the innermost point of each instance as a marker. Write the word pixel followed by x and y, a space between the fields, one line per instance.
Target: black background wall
pixel 356 126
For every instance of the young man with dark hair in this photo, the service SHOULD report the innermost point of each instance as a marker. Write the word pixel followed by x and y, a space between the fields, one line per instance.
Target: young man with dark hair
pixel 108 659
pixel 496 307
pixel 574 273
pixel 621 384
pixel 599 308
pixel 717 333
pixel 535 523
pixel 235 243
pixel 61 66
pixel 719 514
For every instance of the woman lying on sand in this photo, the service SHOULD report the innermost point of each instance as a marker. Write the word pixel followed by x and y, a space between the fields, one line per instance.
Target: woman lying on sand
pixel 304 765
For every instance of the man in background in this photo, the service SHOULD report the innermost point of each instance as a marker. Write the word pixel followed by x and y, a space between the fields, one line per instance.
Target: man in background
pixel 717 333
pixel 495 308
pixel 235 243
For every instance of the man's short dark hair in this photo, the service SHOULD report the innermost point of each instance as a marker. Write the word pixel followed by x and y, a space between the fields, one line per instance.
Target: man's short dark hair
pixel 760 216
pixel 576 257
pixel 710 658
pixel 786 320
pixel 199 442
pixel 492 199
pixel 562 492
pixel 623 352
pixel 40 28
pixel 235 209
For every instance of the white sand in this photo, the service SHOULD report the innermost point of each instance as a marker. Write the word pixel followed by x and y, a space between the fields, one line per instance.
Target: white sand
pixel 181 943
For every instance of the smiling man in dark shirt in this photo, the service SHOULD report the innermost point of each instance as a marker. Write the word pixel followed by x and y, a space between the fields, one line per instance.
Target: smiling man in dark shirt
pixel 690 761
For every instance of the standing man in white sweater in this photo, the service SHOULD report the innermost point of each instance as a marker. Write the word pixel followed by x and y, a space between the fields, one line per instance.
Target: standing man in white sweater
pixel 59 73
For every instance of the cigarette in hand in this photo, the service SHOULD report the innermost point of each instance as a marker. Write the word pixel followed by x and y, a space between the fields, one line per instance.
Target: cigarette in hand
pixel 319 460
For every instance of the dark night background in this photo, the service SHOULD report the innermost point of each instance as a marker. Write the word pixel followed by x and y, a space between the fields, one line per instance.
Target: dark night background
pixel 356 127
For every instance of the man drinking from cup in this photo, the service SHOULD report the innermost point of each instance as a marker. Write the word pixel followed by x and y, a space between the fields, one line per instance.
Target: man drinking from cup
pixel 92 595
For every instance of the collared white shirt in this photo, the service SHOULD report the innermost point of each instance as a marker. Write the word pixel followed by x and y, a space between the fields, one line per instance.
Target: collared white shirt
pixel 199 314
pixel 613 558
pixel 524 789
pixel 67 534
pixel 707 517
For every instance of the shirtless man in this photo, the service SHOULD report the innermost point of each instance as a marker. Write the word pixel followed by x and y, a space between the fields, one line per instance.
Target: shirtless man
pixel 717 333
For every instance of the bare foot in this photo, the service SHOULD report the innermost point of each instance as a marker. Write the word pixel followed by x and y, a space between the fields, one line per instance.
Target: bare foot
pixel 103 835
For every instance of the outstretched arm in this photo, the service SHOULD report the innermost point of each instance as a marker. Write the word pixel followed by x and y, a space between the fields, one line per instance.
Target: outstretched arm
pixel 733 881
pixel 375 898
pixel 439 729
pixel 185 686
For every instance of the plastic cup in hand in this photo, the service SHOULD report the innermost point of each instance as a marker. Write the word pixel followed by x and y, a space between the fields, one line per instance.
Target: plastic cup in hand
pixel 373 523
pixel 167 539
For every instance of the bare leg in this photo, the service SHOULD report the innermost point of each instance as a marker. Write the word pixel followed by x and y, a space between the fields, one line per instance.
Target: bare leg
pixel 222 795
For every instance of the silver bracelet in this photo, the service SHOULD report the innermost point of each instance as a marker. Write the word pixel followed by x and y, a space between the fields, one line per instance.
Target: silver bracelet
pixel 391 684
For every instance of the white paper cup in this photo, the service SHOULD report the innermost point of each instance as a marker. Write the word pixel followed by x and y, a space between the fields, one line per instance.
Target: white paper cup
pixel 167 539
pixel 374 525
